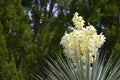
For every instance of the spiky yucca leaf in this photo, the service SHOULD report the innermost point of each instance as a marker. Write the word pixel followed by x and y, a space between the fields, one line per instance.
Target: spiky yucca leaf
pixel 66 70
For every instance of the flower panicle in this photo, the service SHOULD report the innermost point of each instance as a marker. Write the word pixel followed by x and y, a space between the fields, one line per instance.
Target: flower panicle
pixel 82 40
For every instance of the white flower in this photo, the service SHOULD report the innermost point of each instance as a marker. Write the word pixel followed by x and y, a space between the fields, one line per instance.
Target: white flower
pixel 81 40
pixel 78 21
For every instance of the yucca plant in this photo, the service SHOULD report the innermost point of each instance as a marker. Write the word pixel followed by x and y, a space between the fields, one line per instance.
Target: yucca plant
pixel 80 46
pixel 66 70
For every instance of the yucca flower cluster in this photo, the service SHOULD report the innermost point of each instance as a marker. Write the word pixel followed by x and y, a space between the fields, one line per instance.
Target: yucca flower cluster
pixel 82 40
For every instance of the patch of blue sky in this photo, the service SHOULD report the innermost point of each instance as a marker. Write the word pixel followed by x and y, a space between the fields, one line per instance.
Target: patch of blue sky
pixel 55 10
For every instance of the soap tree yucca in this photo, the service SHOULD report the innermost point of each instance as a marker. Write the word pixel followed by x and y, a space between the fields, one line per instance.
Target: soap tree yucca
pixel 81 49
pixel 64 69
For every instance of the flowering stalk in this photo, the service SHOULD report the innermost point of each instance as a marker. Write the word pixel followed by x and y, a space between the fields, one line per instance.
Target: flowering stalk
pixel 82 40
